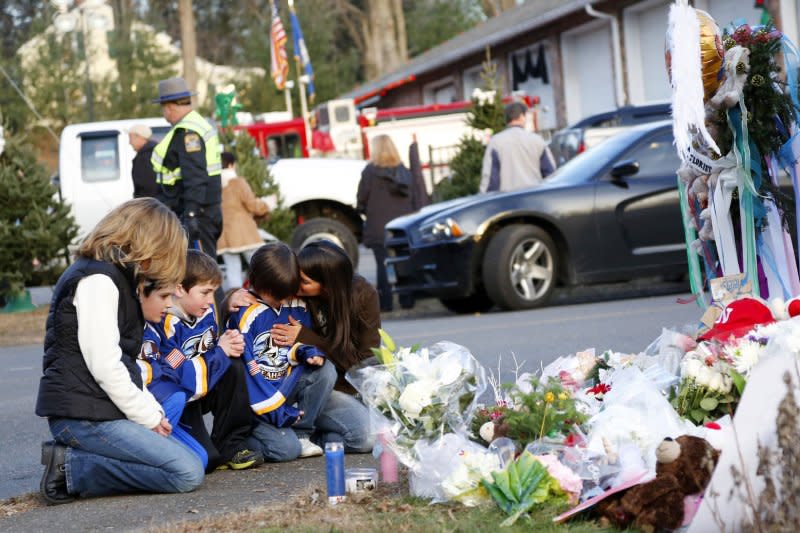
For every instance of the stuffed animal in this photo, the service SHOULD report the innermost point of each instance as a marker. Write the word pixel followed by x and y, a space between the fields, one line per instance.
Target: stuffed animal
pixel 684 467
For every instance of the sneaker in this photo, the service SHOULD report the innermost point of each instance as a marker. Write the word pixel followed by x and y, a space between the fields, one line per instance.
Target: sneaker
pixel 53 486
pixel 309 449
pixel 245 459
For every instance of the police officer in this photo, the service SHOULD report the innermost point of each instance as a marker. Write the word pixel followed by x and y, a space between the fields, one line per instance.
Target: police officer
pixel 188 166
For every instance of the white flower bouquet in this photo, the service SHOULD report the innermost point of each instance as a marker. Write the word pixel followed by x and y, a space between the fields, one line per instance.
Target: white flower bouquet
pixel 420 393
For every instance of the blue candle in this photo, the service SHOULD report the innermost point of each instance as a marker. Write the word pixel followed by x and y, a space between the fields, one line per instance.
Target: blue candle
pixel 334 470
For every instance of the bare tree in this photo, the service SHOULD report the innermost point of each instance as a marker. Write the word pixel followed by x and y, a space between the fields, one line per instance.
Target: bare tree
pixel 379 31
pixel 188 43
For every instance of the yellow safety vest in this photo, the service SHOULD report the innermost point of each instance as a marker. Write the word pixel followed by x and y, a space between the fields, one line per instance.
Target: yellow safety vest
pixel 193 121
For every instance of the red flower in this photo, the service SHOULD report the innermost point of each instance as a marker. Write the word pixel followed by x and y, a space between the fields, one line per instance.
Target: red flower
pixel 599 390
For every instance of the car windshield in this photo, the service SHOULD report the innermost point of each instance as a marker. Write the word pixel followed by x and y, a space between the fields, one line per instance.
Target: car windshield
pixel 584 166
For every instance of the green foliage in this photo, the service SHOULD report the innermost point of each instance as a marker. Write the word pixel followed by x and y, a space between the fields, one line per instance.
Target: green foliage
pixel 430 22
pixel 249 165
pixel 524 483
pixel 35 227
pixel 465 169
pixel 547 410
pixel 485 115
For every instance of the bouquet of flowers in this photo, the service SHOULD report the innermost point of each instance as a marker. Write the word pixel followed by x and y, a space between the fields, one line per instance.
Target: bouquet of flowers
pixel 420 393
pixel 706 389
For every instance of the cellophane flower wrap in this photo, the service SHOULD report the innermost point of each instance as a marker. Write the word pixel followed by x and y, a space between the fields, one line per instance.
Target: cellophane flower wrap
pixel 420 393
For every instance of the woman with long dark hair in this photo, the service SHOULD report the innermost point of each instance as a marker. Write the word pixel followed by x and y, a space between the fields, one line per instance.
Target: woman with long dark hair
pixel 346 317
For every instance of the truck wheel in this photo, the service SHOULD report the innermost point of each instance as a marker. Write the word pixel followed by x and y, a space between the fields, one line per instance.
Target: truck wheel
pixel 326 229
pixel 477 302
pixel 519 267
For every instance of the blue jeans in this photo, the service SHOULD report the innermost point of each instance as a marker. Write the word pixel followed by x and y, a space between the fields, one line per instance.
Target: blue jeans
pixel 310 393
pixel 173 409
pixel 345 419
pixel 120 456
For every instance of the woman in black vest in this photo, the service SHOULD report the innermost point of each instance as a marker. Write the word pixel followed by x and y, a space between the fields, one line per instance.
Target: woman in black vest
pixel 111 435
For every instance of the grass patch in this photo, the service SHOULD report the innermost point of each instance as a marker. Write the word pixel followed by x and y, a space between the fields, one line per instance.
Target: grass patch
pixel 20 504
pixel 386 511
pixel 17 329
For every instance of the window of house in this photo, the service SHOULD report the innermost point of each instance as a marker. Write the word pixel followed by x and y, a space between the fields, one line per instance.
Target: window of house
pixel 100 156
pixel 439 92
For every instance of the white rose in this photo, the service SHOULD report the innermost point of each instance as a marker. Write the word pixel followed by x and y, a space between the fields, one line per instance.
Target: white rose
pixel 691 368
pixel 703 377
pixel 415 397
pixel 715 383
pixel 727 384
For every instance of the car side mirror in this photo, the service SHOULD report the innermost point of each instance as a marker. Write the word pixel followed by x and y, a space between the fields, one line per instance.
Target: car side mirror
pixel 628 167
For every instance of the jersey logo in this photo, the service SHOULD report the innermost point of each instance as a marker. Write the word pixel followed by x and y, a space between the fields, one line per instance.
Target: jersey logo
pixel 272 360
pixel 149 350
pixel 192 142
pixel 199 344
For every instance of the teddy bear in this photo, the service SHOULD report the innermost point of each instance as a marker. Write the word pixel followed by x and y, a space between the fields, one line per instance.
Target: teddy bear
pixel 684 467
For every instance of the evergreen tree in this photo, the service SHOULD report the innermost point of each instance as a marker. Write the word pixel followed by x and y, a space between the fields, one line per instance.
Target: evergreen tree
pixel 486 116
pixel 35 226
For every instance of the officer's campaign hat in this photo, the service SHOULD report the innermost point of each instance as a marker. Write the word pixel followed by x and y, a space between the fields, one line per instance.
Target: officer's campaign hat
pixel 171 90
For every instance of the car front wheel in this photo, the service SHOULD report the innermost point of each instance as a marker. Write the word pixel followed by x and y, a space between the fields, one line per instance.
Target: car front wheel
pixel 326 229
pixel 519 267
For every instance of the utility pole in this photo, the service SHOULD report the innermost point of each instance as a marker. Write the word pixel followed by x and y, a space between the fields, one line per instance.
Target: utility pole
pixel 188 44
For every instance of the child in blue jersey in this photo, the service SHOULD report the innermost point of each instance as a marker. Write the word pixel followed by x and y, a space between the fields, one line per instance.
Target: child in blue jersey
pixel 287 386
pixel 208 367
pixel 161 379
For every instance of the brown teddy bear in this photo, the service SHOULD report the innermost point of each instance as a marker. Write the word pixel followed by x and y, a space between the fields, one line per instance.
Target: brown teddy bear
pixel 684 466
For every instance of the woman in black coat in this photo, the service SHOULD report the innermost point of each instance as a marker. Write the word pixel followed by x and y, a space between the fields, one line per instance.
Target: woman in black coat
pixel 386 191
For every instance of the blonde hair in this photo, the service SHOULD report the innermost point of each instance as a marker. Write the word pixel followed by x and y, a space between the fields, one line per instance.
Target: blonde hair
pixel 384 152
pixel 142 233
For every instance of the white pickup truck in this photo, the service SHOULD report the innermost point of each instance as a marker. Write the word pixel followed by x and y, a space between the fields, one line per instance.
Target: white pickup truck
pixel 95 176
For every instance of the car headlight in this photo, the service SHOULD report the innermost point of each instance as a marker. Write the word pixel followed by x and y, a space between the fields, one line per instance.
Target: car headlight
pixel 440 230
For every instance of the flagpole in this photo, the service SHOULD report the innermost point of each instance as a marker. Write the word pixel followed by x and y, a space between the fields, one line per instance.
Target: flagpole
pixel 302 86
pixel 287 94
pixel 303 104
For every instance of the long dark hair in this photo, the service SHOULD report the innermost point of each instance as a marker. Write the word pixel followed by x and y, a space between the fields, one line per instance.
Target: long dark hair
pixel 330 266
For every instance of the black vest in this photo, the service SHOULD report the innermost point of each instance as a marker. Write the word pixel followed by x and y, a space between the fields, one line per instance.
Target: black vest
pixel 67 389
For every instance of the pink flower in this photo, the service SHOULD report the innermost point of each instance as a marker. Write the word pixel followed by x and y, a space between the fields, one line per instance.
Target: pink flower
pixel 569 481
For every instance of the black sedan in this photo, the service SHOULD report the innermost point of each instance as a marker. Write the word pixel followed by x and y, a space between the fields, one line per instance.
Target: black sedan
pixel 611 214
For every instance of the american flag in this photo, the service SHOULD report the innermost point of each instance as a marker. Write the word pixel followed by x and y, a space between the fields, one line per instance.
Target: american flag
pixel 252 367
pixel 175 358
pixel 277 47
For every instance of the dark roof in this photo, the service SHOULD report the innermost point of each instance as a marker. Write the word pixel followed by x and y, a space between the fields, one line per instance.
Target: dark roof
pixel 525 17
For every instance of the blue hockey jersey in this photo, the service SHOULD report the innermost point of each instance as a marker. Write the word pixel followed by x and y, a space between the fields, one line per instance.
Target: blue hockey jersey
pixel 161 379
pixel 272 370
pixel 190 345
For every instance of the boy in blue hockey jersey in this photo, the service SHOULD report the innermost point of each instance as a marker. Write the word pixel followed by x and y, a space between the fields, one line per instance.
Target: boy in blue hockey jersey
pixel 209 367
pixel 160 378
pixel 280 377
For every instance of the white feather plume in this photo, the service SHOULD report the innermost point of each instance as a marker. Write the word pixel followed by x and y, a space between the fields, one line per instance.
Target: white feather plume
pixel 688 113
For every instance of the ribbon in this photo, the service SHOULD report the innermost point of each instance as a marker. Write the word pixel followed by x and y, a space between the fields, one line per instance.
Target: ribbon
pixel 690 236
pixel 737 120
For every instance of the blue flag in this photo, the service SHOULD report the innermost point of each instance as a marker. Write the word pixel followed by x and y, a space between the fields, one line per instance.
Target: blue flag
pixel 301 52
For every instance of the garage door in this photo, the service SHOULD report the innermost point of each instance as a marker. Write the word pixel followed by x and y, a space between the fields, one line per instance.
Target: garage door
pixel 647 75
pixel 588 71
pixel 726 11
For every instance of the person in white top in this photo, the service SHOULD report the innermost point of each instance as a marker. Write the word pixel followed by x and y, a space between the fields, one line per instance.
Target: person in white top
pixel 110 434
pixel 515 158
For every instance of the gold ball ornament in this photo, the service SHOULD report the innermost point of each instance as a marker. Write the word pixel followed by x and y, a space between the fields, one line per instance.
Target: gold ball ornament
pixel 712 55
